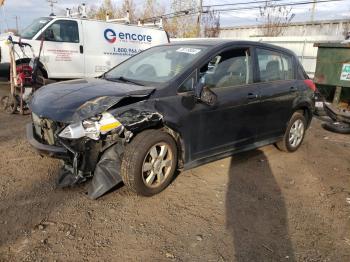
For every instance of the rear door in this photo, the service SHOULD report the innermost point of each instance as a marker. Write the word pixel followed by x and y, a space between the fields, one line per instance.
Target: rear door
pixel 62 52
pixel 278 89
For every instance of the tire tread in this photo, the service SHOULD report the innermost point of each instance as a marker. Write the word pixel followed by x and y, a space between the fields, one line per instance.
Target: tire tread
pixel 132 156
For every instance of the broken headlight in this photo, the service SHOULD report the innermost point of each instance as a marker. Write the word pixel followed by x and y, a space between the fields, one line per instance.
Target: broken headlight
pixel 91 127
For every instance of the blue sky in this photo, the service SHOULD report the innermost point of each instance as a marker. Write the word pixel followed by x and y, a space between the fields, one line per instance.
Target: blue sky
pixel 27 10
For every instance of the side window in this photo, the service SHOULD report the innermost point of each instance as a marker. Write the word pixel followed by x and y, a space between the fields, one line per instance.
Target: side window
pixel 274 66
pixel 230 68
pixel 63 31
pixel 287 67
pixel 188 85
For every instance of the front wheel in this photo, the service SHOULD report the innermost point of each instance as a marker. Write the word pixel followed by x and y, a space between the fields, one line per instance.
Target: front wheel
pixel 149 162
pixel 294 134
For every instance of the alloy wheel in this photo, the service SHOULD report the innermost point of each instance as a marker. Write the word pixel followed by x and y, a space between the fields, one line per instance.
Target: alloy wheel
pixel 157 165
pixel 296 133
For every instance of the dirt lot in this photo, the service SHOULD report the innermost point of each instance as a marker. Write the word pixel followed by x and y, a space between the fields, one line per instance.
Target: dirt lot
pixel 262 205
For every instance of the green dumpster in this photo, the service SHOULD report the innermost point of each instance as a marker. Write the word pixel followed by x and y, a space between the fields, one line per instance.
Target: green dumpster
pixel 332 76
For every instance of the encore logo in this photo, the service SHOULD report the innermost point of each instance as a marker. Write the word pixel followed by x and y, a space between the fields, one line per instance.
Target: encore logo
pixel 111 36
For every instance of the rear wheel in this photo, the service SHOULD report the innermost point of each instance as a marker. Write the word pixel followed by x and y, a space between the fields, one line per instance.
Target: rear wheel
pixel 294 134
pixel 149 162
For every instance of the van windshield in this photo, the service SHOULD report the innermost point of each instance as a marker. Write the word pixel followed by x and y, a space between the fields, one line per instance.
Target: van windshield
pixel 30 31
pixel 156 65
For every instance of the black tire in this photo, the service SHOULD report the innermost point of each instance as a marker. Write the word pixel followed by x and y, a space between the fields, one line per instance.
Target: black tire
pixel 135 155
pixel 285 144
pixel 9 104
pixel 337 127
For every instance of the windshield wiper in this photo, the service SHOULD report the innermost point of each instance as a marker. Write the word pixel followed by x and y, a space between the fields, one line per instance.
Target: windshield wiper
pixel 125 80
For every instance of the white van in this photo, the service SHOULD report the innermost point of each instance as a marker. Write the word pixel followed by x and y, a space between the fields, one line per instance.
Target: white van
pixel 78 47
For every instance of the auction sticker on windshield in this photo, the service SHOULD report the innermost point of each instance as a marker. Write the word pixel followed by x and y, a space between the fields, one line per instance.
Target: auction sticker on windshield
pixel 188 50
pixel 345 72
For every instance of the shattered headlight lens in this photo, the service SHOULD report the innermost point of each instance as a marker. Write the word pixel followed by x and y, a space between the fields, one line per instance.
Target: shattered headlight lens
pixel 108 123
pixel 91 128
pixel 73 131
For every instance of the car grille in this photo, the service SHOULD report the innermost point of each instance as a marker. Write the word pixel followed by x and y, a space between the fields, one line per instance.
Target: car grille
pixel 44 129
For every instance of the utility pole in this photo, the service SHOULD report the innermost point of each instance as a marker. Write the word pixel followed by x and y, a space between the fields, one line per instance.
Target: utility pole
pixel 199 18
pixel 313 10
pixel 17 27
pixel 51 4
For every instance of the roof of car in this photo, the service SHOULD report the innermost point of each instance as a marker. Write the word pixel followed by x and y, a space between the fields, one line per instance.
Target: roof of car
pixel 226 42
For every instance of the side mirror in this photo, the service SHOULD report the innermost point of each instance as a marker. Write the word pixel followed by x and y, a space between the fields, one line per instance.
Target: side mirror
pixel 208 97
pixel 205 95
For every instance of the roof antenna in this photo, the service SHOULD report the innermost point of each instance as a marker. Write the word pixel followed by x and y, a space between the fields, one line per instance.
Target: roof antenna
pixel 51 4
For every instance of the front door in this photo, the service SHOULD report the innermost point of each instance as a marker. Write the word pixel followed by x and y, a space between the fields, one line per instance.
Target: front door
pixel 231 124
pixel 62 52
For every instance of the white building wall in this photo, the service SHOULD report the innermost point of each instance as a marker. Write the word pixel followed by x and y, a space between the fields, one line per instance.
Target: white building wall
pixel 327 27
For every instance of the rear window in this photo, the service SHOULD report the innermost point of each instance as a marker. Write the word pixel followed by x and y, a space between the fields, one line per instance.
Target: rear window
pixel 274 66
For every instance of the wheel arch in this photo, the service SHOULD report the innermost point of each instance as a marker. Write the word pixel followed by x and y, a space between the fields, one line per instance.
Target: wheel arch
pixel 306 110
pixel 179 144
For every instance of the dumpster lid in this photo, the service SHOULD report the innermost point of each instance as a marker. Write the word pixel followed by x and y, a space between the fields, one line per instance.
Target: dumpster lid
pixel 344 44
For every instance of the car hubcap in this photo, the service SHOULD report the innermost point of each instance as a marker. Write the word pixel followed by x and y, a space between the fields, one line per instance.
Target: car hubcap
pixel 296 133
pixel 157 165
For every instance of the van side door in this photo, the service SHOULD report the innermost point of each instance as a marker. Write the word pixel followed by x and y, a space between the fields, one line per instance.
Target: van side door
pixel 62 53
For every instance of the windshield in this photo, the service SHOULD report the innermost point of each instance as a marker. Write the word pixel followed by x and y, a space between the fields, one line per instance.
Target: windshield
pixel 30 31
pixel 156 65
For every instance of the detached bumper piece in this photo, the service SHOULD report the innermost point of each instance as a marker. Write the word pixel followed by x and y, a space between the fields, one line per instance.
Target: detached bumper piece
pixel 107 172
pixel 337 114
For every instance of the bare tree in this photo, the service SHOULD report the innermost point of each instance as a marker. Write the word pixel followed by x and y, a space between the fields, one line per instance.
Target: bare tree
pixel 211 23
pixel 275 18
pixel 100 12
pixel 184 23
pixel 151 8
pixel 114 11
pixel 128 5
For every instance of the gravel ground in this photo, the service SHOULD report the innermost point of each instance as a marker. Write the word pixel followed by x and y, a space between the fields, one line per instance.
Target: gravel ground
pixel 263 205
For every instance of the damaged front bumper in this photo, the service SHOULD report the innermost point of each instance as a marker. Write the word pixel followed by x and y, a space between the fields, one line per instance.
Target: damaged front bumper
pixel 50 150
pixel 91 156
pixel 102 165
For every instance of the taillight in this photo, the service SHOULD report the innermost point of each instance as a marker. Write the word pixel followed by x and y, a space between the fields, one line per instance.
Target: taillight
pixel 310 84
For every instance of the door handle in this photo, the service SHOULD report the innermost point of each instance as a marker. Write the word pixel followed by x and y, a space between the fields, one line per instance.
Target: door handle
pixel 252 96
pixel 293 89
pixel 81 49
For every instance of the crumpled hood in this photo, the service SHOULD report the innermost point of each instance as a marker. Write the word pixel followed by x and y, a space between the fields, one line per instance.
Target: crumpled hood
pixel 75 100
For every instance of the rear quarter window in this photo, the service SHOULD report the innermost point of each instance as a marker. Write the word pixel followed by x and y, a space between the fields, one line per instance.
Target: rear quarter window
pixel 274 66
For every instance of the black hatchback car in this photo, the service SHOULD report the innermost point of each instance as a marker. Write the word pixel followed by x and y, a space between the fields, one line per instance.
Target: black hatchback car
pixel 172 107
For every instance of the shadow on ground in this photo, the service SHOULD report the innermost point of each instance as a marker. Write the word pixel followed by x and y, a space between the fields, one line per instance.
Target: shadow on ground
pixel 256 212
